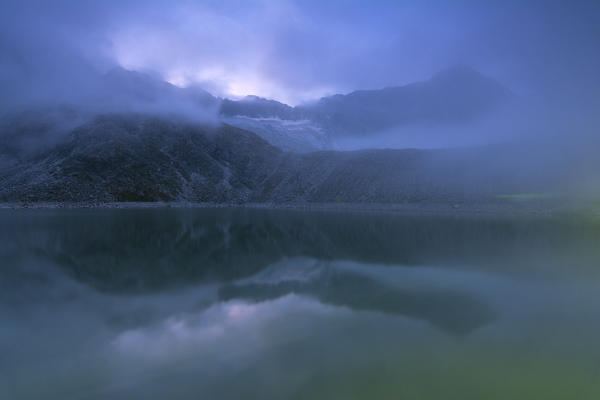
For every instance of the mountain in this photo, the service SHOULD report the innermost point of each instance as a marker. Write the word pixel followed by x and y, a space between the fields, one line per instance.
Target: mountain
pixel 123 90
pixel 27 132
pixel 141 158
pixel 456 95
pixel 145 87
pixel 140 92
pixel 299 136
pixel 167 144
pixel 277 123
pixel 134 157
pixel 257 107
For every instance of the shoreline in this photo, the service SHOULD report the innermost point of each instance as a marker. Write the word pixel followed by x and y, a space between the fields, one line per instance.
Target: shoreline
pixel 489 208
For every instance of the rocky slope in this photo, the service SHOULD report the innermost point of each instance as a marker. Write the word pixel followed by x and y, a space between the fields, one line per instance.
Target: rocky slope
pixel 134 157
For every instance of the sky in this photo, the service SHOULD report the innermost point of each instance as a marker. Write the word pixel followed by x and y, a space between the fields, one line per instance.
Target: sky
pixel 297 50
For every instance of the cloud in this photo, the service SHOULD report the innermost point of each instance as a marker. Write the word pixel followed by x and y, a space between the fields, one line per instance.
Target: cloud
pixel 296 51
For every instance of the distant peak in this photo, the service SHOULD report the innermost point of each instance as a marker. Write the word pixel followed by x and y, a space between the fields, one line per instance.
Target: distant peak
pixel 252 97
pixel 258 99
pixel 123 74
pixel 261 101
pixel 458 71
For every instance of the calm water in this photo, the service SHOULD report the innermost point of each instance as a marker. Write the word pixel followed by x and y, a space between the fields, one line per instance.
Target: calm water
pixel 241 304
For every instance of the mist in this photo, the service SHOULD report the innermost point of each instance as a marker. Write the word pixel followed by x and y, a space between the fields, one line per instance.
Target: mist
pixel 67 62
pixel 299 199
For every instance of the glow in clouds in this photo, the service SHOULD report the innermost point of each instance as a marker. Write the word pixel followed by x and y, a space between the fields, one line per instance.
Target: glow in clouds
pixel 221 83
pixel 230 85
pixel 227 51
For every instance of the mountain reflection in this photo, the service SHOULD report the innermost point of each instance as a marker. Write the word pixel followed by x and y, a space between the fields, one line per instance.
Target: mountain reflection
pixel 453 311
pixel 164 303
pixel 129 251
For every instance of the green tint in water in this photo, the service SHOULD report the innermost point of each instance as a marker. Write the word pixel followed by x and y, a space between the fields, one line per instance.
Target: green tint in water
pixel 234 303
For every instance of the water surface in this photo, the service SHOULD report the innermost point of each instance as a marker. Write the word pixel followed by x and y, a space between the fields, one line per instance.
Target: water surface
pixel 280 304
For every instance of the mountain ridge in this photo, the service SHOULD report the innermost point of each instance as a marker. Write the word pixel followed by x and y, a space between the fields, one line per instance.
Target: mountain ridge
pixel 133 157
pixel 454 96
pixel 457 95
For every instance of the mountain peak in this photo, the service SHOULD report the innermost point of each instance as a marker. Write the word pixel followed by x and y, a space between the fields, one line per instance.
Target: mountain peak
pixel 458 71
pixel 253 97
pixel 466 78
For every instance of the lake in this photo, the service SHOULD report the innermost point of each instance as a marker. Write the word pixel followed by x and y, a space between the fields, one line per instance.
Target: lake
pixel 234 303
